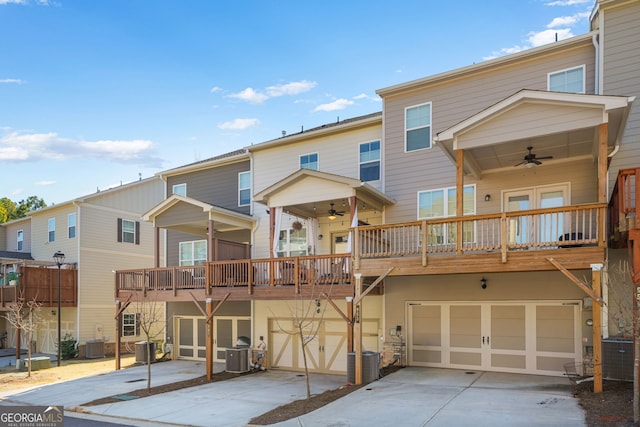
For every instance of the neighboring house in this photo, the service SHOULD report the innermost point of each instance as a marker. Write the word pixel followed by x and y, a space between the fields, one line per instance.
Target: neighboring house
pixel 478 202
pixel 97 234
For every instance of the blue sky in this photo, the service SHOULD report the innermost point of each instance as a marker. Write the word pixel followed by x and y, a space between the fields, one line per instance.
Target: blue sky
pixel 98 93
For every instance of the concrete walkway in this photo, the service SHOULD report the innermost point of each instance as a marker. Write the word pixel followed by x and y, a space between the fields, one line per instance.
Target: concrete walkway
pixel 409 397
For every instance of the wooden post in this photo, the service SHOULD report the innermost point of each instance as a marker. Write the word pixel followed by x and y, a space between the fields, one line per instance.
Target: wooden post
pixel 603 138
pixel 156 247
pixel 272 237
pixel 596 276
pixel 357 330
pixel 459 198
pixel 211 255
pixel 350 325
pixel 209 339
pixel 118 329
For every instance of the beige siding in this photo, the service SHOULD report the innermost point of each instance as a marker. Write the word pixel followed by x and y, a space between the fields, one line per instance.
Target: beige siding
pixel 621 76
pixel 41 248
pixel 11 235
pixel 138 196
pixel 453 101
pixel 337 154
pixel 217 185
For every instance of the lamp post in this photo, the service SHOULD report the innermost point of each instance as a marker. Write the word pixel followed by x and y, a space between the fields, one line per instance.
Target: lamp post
pixel 59 259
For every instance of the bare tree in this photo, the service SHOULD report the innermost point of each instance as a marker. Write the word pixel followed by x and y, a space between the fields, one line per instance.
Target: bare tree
pixel 25 316
pixel 151 321
pixel 307 315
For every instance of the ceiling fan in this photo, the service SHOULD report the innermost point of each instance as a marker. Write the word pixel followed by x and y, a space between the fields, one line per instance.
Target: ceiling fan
pixel 530 160
pixel 334 213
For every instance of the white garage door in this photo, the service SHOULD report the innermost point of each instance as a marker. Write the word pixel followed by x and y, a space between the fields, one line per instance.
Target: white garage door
pixel 522 337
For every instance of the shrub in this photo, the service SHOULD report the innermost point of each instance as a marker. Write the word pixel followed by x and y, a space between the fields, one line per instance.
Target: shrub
pixel 68 348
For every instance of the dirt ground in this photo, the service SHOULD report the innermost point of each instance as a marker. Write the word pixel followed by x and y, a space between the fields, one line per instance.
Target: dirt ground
pixel 612 408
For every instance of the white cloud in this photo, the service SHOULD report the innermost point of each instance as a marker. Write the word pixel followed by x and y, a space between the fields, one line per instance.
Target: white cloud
pixel 255 97
pixel 338 104
pixel 216 89
pixel 12 81
pixel 250 96
pixel 13 2
pixel 29 146
pixel 293 88
pixel 239 124
pixel 548 36
pixel 45 183
pixel 568 2
pixel 368 97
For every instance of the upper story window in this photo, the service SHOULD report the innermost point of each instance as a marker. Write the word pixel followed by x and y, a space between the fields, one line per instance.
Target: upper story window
pixel 569 80
pixel 417 127
pixel 442 203
pixel 128 231
pixel 309 161
pixel 370 161
pixel 244 188
pixel 51 228
pixel 20 241
pixel 180 189
pixel 71 225
pixel 193 253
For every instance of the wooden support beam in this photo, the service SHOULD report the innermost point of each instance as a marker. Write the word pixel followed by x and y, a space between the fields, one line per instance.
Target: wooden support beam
pixel 596 316
pixel 212 254
pixel 197 303
pixel 503 240
pixel 603 140
pixel 209 338
pixel 358 299
pixel 424 243
pixel 350 326
pixel 574 279
pixel 459 197
pixel 357 330
pixel 156 246
pixel 120 308
pixel 336 308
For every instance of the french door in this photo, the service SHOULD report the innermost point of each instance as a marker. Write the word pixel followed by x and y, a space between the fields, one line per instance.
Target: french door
pixel 528 229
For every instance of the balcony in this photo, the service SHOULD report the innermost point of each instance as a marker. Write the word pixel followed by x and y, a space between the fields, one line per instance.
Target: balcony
pixel 507 241
pixel 41 285
pixel 280 278
pixel 624 224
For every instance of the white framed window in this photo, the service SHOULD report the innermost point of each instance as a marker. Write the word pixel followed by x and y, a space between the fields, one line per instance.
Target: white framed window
pixel 369 161
pixel 71 225
pixel 193 252
pixel 292 242
pixel 130 325
pixel 570 80
pixel 51 228
pixel 441 203
pixel 179 189
pixel 128 231
pixel 309 161
pixel 417 127
pixel 20 240
pixel 244 188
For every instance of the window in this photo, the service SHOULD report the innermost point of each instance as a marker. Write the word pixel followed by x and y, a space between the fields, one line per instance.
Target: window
pixel 193 253
pixel 20 242
pixel 441 203
pixel 71 225
pixel 569 80
pixel 370 161
pixel 418 127
pixel 180 189
pixel 293 242
pixel 244 188
pixel 128 231
pixel 309 161
pixel 51 227
pixel 130 324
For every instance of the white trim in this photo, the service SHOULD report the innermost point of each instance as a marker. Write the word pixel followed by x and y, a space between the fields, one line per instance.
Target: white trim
pixel 360 163
pixel 173 189
pixel 19 232
pixel 309 154
pixel 75 226
pixel 240 189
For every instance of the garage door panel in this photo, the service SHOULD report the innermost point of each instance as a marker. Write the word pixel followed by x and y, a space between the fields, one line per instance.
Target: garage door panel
pixel 509 361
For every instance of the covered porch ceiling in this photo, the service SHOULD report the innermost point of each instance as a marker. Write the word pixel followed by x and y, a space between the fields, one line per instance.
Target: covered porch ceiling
pixel 188 215
pixel 311 194
pixel 563 126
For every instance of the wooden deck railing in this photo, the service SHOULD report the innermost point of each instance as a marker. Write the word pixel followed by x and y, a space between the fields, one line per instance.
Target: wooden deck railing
pixel 248 273
pixel 41 285
pixel 568 226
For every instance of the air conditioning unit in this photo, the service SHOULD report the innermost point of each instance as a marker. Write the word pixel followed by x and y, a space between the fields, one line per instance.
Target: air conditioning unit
pixel 237 360
pixel 94 349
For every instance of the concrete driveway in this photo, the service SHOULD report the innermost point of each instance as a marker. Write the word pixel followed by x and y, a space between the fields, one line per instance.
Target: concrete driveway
pixel 409 397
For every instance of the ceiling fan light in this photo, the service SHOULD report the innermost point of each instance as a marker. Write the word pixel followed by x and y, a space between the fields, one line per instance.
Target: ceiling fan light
pixel 332 217
pixel 529 165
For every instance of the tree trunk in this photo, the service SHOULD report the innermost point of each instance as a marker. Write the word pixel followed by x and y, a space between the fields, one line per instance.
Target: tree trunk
pixel 148 364
pixel 303 344
pixel 29 353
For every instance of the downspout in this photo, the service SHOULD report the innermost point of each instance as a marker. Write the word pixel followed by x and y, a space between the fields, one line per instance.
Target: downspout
pixel 594 40
pixel 79 264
